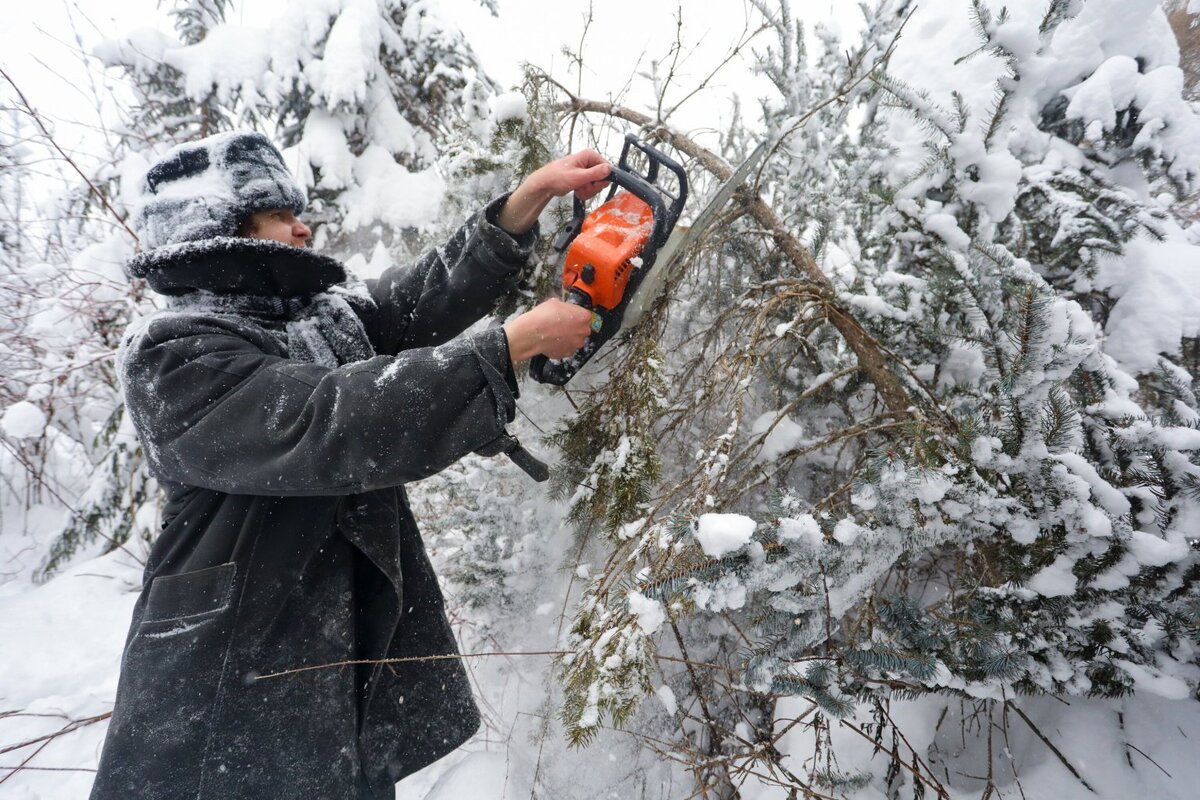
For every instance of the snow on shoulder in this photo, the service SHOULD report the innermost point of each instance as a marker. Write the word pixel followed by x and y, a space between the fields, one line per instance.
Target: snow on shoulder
pixel 719 534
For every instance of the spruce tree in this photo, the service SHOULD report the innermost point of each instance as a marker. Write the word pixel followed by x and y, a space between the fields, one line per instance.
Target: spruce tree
pixel 378 91
pixel 1021 525
pixel 115 500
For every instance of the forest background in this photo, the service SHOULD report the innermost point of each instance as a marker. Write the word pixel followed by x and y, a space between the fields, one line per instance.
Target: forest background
pixel 894 492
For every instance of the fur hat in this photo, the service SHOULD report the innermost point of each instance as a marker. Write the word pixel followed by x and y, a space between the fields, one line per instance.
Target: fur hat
pixel 208 188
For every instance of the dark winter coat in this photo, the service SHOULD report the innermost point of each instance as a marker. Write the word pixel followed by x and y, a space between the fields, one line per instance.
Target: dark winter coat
pixel 287 539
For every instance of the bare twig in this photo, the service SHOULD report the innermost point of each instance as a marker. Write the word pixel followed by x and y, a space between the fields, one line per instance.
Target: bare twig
pixel 405 660
pixel 73 726
pixel 1046 741
pixel 33 114
pixel 927 780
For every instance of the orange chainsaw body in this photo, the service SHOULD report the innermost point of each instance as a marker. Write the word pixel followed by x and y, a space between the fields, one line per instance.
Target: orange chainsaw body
pixel 600 259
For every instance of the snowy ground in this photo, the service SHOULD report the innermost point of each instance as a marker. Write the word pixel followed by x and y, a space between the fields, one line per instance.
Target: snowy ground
pixel 62 646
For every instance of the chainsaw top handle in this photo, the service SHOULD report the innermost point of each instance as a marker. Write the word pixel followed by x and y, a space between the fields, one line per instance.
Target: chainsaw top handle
pixel 648 187
pixel 643 186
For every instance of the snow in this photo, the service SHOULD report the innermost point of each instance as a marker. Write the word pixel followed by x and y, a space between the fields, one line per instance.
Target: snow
pixel 995 189
pixel 1022 530
pixel 1110 499
pixel 346 67
pixel 23 420
pixel 721 534
pixel 1110 88
pixel 667 698
pixel 1157 286
pixel 509 106
pixel 1151 550
pixel 982 448
pixel 963 365
pixel 226 59
pixel 727 593
pixel 1055 580
pixel 932 488
pixel 782 434
pixel 1155 682
pixel 846 531
pixel 801 529
pixel 324 146
pixel 142 48
pixel 480 775
pixel 69 635
pixel 649 613
pixel 380 262
pixel 384 191
pixel 946 226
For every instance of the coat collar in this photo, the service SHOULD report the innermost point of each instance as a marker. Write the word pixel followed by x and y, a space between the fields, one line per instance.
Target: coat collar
pixel 228 265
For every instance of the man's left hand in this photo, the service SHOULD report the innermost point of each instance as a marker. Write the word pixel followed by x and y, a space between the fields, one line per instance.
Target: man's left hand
pixel 582 172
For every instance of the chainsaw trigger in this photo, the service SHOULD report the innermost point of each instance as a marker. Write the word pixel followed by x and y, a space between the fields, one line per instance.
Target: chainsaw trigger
pixel 563 238
pixel 569 231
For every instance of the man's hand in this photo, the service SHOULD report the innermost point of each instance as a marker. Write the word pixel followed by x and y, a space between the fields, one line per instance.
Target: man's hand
pixel 582 172
pixel 552 328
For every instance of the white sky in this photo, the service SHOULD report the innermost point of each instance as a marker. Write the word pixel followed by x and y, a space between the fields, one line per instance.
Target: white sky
pixel 43 45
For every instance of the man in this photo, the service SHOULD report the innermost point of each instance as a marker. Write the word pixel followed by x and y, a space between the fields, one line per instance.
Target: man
pixel 282 406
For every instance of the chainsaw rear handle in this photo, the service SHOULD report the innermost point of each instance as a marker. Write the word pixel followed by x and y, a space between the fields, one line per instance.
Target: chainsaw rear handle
pixel 645 187
pixel 544 370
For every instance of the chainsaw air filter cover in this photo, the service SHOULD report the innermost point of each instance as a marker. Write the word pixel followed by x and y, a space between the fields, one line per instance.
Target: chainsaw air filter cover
pixel 600 259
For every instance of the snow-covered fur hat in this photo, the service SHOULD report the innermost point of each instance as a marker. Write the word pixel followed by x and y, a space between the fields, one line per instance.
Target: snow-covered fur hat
pixel 208 188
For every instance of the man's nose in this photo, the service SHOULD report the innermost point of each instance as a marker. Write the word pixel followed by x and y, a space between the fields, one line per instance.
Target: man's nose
pixel 300 230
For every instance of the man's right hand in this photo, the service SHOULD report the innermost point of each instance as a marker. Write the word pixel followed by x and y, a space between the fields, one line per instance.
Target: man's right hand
pixel 552 328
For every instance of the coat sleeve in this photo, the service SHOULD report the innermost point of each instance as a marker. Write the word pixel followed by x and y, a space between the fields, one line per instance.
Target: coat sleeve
pixel 448 288
pixel 215 410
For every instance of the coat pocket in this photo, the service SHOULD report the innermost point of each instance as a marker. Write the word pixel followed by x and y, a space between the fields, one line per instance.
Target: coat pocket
pixel 190 596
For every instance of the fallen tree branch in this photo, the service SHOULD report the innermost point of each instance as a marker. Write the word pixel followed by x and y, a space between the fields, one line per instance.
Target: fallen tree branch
pixel 871 358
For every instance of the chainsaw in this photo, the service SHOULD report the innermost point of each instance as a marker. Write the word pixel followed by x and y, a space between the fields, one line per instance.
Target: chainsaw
pixel 609 252
pixel 620 256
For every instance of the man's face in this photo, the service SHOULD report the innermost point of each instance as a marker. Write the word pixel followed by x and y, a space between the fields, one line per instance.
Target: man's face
pixel 279 225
